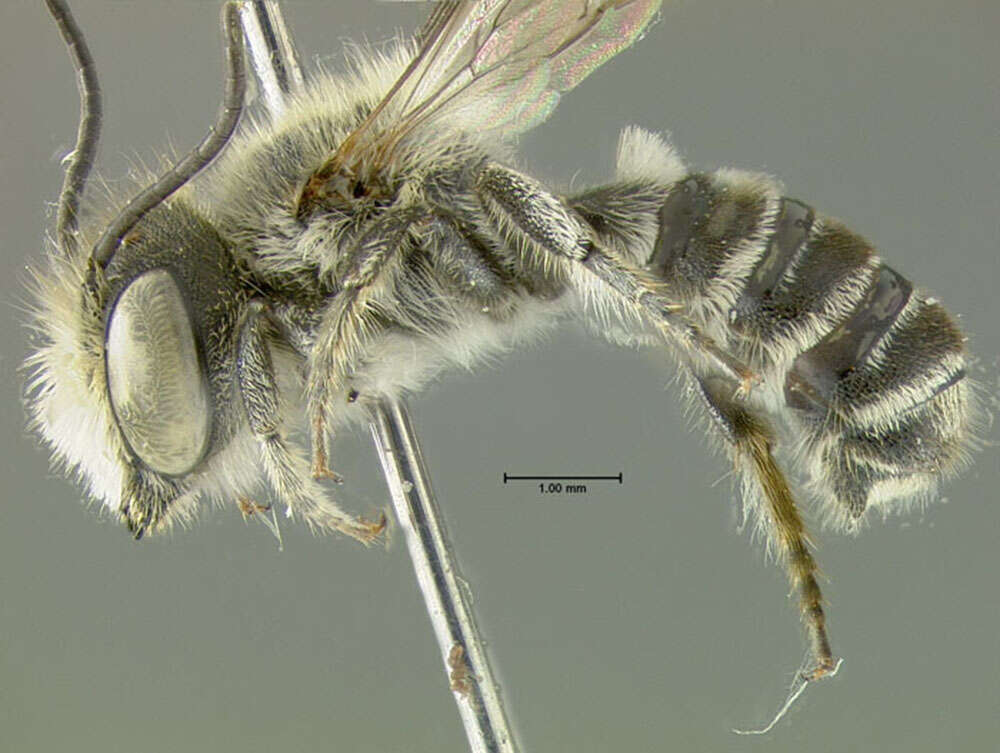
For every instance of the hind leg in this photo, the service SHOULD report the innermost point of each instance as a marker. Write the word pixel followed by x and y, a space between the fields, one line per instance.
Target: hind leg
pixel 535 218
pixel 750 440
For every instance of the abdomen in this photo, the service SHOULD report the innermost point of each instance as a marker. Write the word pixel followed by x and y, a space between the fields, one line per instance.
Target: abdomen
pixel 869 371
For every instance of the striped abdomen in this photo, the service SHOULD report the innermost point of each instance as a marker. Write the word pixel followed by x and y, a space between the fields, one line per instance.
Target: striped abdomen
pixel 873 369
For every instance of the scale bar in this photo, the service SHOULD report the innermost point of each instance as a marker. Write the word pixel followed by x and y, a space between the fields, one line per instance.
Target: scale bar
pixel 510 477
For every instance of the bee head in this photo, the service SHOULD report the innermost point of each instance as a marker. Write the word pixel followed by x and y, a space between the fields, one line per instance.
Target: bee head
pixel 132 378
pixel 172 305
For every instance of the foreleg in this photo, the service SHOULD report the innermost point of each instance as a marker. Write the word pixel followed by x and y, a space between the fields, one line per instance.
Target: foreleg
pixel 284 467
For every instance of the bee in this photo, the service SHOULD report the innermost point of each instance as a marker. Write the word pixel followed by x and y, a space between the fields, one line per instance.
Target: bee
pixel 378 232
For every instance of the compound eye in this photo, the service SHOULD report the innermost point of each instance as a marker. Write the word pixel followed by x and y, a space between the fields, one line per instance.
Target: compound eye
pixel 158 391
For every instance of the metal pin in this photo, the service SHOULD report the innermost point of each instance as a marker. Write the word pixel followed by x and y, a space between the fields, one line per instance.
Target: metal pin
pixel 465 660
pixel 273 57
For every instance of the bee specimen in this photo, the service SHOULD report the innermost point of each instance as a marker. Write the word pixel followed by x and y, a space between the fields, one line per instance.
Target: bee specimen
pixel 376 233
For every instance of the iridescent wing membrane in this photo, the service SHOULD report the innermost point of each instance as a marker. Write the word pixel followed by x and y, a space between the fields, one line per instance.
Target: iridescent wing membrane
pixel 499 65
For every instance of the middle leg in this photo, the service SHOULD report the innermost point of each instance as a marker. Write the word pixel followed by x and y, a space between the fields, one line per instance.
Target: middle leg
pixel 350 323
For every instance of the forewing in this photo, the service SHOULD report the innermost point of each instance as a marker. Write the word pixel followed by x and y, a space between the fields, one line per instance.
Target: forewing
pixel 502 64
pixel 488 65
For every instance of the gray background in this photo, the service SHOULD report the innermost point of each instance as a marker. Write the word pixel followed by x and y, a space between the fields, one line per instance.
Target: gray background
pixel 632 618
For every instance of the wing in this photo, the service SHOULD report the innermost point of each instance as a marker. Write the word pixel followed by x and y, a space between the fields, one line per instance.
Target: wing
pixel 502 64
pixel 495 65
